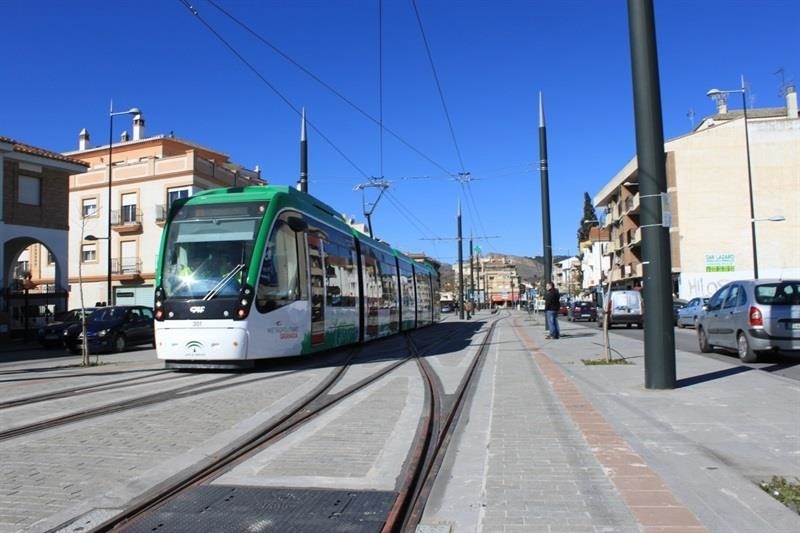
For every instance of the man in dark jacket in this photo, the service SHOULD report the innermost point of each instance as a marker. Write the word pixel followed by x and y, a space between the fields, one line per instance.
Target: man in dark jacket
pixel 552 303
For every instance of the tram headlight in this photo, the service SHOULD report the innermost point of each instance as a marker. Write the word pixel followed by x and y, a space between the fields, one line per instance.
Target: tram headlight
pixel 159 304
pixel 243 306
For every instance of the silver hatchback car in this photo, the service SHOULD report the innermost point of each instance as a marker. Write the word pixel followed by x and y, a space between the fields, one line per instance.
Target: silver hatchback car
pixel 752 316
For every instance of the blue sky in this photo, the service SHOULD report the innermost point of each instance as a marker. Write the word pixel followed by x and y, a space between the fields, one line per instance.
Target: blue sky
pixel 63 61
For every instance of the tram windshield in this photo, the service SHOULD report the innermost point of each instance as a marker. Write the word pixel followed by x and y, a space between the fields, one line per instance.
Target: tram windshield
pixel 208 249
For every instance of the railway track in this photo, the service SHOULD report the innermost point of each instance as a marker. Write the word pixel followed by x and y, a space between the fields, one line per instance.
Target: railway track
pixel 83 389
pixel 151 509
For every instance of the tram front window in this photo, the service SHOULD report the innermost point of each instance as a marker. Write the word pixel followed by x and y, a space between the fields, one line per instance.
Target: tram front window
pixel 207 257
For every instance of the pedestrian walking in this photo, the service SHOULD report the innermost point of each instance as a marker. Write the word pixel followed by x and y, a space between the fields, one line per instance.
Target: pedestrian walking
pixel 552 303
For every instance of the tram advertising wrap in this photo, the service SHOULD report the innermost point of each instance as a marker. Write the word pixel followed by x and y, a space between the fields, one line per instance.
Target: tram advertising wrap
pixel 251 273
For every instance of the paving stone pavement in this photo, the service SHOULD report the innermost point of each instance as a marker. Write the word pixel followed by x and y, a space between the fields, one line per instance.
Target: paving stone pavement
pixel 563 446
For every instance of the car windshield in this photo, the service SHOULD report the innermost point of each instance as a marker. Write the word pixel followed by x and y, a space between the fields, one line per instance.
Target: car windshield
pixel 778 293
pixel 208 249
pixel 107 313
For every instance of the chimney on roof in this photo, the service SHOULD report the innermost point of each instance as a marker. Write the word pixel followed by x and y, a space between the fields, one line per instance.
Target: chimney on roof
pixel 83 140
pixel 138 127
pixel 791 102
pixel 124 137
pixel 721 99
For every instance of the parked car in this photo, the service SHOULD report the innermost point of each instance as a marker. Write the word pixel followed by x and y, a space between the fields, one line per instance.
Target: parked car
pixel 752 317
pixel 52 334
pixel 582 311
pixel 624 307
pixel 677 303
pixel 447 308
pixel 688 314
pixel 113 329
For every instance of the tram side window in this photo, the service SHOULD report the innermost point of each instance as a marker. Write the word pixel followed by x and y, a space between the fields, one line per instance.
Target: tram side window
pixel 279 280
pixel 340 273
pixel 388 272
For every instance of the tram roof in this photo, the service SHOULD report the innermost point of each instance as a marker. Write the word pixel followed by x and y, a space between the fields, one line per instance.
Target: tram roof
pixel 303 201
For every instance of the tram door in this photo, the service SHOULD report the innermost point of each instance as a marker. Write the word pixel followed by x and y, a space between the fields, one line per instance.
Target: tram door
pixel 316 272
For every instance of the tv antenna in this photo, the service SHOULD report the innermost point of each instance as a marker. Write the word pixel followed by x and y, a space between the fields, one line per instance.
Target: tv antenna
pixel 785 85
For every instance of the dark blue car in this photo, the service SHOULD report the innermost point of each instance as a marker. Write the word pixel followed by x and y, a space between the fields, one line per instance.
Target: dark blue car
pixel 113 329
pixel 52 334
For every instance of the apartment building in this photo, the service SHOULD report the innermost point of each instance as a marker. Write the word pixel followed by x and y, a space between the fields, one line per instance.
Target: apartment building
pixel 497 278
pixel 34 224
pixel 709 202
pixel 147 175
pixel 594 261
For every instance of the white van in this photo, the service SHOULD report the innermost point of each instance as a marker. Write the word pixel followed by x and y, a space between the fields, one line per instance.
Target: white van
pixel 624 307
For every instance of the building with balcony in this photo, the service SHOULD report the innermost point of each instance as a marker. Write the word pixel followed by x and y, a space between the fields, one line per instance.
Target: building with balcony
pixel 709 202
pixel 147 175
pixel 33 229
pixel 595 261
pixel 566 276
pixel 497 278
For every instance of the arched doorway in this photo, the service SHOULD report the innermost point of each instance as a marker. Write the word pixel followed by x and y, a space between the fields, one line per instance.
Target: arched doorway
pixel 33 286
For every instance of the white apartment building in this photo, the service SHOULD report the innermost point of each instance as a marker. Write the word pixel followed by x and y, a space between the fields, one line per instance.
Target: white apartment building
pixel 594 262
pixel 709 197
pixel 147 175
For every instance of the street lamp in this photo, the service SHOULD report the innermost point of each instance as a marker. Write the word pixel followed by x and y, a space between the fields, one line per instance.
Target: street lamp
pixel 111 115
pixel 94 238
pixel 717 93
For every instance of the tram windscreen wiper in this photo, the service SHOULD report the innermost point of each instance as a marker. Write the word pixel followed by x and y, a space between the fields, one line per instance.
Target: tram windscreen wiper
pixel 224 281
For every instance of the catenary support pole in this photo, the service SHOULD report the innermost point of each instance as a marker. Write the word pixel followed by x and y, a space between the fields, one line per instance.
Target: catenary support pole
pixel 460 268
pixel 659 334
pixel 303 185
pixel 543 173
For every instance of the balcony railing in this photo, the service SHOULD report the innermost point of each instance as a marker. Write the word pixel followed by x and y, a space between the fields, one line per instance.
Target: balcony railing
pixel 126 266
pixel 161 213
pixel 130 215
pixel 129 219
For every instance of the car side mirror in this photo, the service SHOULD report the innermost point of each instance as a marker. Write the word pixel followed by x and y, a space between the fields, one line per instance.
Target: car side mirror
pixel 705 307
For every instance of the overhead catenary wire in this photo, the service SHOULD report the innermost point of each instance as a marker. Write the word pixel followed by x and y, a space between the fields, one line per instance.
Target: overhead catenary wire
pixel 274 89
pixel 464 176
pixel 326 85
pixel 438 86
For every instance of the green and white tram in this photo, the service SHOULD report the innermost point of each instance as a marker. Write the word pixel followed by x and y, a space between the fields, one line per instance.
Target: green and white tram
pixel 251 273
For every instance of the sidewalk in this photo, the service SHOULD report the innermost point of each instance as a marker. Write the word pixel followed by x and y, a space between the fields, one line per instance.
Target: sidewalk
pixel 555 445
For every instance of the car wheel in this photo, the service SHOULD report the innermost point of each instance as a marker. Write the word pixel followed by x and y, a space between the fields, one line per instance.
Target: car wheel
pixel 746 354
pixel 119 343
pixel 702 340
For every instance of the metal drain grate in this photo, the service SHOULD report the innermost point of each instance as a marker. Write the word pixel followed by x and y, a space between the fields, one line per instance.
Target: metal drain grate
pixel 222 508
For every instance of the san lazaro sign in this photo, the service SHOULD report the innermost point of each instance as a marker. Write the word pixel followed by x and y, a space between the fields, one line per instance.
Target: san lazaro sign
pixel 720 262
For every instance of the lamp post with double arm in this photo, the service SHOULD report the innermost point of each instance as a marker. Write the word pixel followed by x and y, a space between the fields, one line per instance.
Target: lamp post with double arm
pixel 111 115
pixel 717 93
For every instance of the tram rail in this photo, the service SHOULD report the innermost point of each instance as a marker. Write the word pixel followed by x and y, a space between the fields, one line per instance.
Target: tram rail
pixel 84 389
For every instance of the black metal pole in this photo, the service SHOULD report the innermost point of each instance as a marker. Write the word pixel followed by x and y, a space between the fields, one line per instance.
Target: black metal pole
pixel 460 269
pixel 471 273
pixel 750 185
pixel 659 334
pixel 547 245
pixel 304 158
pixel 108 207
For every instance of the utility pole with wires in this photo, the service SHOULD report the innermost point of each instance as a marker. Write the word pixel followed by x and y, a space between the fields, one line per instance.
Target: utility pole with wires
pixel 460 268
pixel 378 183
pixel 461 258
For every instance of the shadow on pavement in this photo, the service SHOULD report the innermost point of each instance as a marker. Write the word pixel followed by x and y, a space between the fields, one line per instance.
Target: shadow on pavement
pixel 711 376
